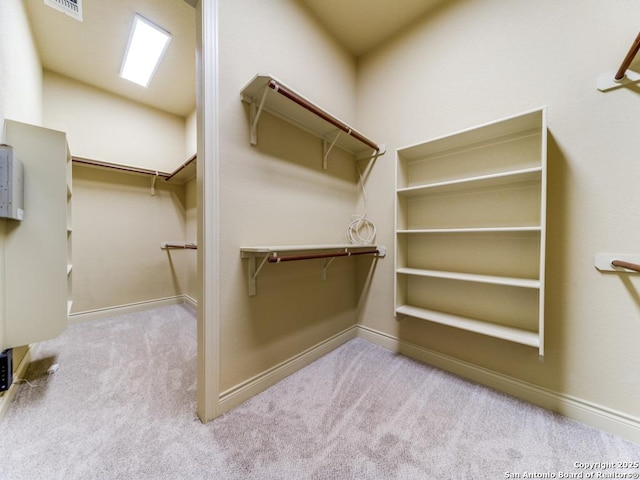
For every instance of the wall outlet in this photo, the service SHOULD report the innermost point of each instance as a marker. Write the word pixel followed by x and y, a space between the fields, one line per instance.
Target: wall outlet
pixel 6 369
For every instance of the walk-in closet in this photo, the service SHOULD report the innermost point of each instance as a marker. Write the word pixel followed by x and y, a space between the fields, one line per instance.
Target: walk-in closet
pixel 453 181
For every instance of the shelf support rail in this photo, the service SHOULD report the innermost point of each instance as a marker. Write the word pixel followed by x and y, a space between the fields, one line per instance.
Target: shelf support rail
pixel 328 258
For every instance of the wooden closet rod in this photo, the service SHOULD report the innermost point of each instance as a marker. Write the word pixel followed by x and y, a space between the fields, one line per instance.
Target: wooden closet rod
pixel 320 113
pixel 187 246
pixel 122 168
pixel 628 59
pixel 290 258
pixel 623 264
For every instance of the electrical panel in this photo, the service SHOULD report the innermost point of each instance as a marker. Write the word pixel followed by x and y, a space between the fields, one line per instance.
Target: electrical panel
pixel 6 369
pixel 11 185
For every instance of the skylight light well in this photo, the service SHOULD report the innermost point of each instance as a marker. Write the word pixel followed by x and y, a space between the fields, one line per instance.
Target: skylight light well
pixel 147 44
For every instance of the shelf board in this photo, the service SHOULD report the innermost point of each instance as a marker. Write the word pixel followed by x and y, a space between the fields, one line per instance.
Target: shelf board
pixel 517 335
pixel 471 277
pixel 533 228
pixel 502 178
pixel 185 172
pixel 181 175
pixel 523 123
pixel 314 119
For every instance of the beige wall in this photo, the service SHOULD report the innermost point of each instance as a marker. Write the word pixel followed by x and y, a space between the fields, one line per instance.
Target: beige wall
pixel 106 127
pixel 191 134
pixel 277 193
pixel 20 95
pixel 191 235
pixel 118 227
pixel 474 61
pixel 20 68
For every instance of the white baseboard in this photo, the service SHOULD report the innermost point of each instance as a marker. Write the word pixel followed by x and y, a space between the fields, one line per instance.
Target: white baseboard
pixel 5 399
pixel 583 411
pixel 101 313
pixel 190 302
pixel 244 391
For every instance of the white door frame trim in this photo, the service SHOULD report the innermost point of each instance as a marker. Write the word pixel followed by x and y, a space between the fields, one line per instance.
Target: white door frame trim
pixel 208 211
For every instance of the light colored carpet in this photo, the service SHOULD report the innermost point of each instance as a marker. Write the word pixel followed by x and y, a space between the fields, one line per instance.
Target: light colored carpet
pixel 122 406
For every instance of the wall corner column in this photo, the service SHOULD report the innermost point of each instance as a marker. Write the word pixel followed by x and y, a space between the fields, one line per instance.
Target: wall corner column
pixel 208 211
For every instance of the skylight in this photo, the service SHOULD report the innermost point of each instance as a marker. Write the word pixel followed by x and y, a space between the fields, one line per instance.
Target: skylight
pixel 147 44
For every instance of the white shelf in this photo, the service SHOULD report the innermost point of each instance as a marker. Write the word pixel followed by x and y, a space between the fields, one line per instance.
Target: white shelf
pixel 266 93
pixel 470 277
pixel 494 180
pixel 181 175
pixel 499 131
pixel 502 178
pixel 517 335
pixel 471 230
pixel 185 172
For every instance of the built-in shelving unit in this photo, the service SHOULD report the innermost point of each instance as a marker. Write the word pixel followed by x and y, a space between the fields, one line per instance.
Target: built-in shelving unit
pixel 38 266
pixel 287 253
pixel 264 93
pixel 471 228
pixel 69 233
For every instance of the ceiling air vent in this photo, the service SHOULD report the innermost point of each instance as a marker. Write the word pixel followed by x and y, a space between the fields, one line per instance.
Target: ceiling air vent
pixel 73 8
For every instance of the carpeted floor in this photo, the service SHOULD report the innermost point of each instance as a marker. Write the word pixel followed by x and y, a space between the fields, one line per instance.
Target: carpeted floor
pixel 122 406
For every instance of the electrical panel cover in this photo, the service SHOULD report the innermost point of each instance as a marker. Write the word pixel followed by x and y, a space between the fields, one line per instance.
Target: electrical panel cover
pixel 11 185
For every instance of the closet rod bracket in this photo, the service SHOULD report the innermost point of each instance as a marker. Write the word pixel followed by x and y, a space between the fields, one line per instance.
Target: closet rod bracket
pixel 255 110
pixel 607 81
pixel 623 76
pixel 327 149
pixel 375 155
pixel 617 262
pixel 153 184
pixel 253 273
pixel 325 265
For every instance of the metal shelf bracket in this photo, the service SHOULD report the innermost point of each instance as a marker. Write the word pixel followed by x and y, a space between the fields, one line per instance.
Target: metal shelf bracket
pixel 255 111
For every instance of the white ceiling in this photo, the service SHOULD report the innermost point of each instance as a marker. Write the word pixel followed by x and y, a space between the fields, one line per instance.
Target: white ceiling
pixel 361 25
pixel 91 51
